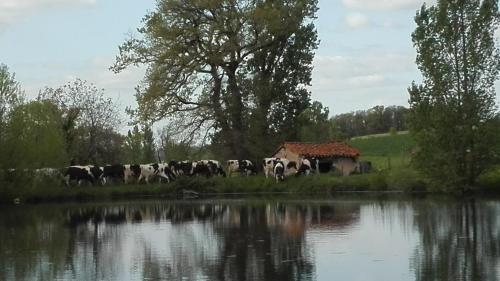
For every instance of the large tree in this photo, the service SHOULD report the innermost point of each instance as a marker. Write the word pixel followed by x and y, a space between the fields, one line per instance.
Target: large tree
pixel 231 67
pixel 452 111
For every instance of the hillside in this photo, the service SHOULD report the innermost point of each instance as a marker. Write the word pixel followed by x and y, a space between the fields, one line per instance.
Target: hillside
pixel 385 150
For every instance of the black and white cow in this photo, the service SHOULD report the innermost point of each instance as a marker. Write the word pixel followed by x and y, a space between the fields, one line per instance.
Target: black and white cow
pixel 268 166
pixel 113 173
pixel 279 171
pixel 207 168
pixel 165 172
pixel 89 173
pixel 181 168
pixel 244 167
pixel 308 165
pixel 131 171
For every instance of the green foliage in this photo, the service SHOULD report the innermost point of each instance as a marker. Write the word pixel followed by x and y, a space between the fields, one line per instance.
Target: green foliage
pixel 406 179
pixel 34 136
pixel 148 146
pixel 376 120
pixel 314 125
pixel 453 110
pixel 139 146
pixel 11 96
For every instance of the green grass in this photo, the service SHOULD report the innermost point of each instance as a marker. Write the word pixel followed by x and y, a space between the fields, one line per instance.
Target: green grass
pixel 315 184
pixel 385 151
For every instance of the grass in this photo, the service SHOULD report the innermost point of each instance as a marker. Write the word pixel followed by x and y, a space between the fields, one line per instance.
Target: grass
pixel 385 151
pixel 315 184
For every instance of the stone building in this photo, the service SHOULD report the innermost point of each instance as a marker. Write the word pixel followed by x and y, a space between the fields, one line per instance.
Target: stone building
pixel 333 156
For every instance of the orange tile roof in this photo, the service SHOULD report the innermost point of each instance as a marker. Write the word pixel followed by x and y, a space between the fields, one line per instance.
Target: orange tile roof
pixel 329 149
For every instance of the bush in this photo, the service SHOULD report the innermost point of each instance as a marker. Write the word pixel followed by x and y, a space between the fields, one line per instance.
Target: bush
pixel 490 179
pixel 405 179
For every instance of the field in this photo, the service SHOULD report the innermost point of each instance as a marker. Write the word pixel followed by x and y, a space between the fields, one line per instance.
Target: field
pixel 385 151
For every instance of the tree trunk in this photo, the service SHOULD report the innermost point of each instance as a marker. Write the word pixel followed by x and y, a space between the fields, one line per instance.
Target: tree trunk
pixel 237 142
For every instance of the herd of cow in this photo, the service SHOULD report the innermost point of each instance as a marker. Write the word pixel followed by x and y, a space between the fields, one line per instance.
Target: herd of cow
pixel 275 167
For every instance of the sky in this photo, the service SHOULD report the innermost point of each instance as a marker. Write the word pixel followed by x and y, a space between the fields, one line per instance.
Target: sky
pixel 365 57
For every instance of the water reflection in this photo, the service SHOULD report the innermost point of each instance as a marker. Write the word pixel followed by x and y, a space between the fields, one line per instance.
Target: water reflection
pixel 459 241
pixel 200 241
pixel 252 240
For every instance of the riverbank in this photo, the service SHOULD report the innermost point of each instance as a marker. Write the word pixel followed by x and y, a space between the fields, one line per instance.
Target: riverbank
pixel 395 180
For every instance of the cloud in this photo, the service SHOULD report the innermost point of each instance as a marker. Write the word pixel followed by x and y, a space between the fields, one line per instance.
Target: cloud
pixel 14 10
pixel 356 20
pixel 347 83
pixel 385 5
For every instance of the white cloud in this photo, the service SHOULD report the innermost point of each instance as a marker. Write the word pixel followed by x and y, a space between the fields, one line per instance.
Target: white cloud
pixel 385 5
pixel 346 83
pixel 15 10
pixel 356 20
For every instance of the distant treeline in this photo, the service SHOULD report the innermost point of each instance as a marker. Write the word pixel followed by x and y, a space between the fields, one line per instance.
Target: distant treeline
pixel 376 120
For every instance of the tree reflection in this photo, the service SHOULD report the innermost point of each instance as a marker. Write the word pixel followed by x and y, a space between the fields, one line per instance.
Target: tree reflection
pixel 165 241
pixel 459 241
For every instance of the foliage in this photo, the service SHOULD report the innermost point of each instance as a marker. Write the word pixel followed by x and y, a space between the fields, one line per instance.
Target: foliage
pixel 234 69
pixel 34 136
pixel 453 110
pixel 139 146
pixel 10 92
pixel 89 120
pixel 376 120
pixel 313 124
pixel 11 95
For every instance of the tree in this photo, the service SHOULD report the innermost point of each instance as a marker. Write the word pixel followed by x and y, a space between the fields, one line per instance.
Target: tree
pixel 148 145
pixel 34 136
pixel 133 146
pixel 225 66
pixel 452 111
pixel 11 96
pixel 314 125
pixel 88 117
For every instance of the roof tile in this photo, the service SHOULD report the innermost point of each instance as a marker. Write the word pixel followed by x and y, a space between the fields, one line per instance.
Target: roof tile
pixel 330 149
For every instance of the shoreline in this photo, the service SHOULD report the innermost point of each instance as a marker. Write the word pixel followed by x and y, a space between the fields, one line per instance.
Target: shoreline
pixel 201 188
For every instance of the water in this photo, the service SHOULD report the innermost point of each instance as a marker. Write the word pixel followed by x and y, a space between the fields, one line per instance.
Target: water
pixel 254 239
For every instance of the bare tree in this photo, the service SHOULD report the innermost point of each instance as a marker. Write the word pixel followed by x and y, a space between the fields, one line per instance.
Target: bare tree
pixel 88 113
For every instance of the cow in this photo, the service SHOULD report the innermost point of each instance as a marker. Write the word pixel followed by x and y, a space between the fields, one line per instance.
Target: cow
pixel 214 168
pixel 244 167
pixel 247 167
pixel 308 165
pixel 233 166
pixel 88 173
pixel 113 173
pixel 148 171
pixel 268 166
pixel 181 168
pixel 279 171
pixel 131 171
pixel 165 172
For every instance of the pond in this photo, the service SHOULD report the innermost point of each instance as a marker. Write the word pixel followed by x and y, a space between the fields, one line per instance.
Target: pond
pixel 253 239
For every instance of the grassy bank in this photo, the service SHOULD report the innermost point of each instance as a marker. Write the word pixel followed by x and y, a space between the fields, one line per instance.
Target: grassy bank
pixel 36 191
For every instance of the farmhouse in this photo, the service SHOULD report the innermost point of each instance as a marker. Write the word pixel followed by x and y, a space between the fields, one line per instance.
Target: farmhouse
pixel 333 156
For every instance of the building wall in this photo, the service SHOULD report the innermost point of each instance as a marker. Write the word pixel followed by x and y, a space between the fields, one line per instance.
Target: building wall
pixel 344 166
pixel 283 153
